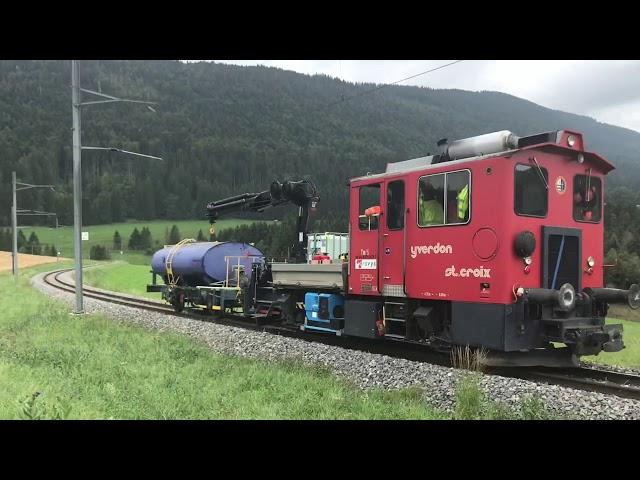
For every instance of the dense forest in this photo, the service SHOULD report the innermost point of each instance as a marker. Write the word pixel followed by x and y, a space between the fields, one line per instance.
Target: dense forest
pixel 225 129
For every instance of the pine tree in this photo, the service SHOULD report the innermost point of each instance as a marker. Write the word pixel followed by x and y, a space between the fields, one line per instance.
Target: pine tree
pixel 134 240
pixel 117 241
pixel 174 235
pixel 33 244
pixel 200 237
pixel 145 239
pixel 22 241
pixel 98 252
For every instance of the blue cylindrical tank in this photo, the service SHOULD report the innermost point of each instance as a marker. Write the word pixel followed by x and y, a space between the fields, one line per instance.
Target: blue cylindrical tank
pixel 202 263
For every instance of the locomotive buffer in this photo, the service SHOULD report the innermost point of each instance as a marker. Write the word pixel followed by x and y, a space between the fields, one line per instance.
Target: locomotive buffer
pixel 303 194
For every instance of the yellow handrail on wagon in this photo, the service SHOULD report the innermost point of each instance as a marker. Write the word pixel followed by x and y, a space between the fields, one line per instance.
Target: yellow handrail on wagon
pixel 169 262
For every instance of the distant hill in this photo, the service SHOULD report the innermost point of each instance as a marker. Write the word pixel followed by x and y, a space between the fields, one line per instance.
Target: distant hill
pixel 226 129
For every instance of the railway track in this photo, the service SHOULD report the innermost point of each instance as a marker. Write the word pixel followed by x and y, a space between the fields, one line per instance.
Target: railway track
pixel 625 385
pixel 53 279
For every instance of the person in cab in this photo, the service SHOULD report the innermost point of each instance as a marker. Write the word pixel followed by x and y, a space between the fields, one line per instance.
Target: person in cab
pixel 430 206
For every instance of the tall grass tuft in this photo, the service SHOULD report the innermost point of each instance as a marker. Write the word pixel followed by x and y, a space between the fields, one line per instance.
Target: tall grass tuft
pixel 466 358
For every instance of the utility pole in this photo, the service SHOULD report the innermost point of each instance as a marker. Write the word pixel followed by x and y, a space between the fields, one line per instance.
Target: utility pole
pixel 76 103
pixel 14 218
pixel 77 182
pixel 14 227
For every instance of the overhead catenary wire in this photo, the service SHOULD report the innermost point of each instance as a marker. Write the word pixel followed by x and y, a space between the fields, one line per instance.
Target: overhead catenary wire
pixel 380 87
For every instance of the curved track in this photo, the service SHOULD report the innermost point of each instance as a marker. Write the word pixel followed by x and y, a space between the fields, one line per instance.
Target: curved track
pixel 624 385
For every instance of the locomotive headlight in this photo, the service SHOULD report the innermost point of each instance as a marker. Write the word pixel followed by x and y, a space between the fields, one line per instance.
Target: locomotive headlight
pixel 571 140
pixel 580 158
pixel 527 260
pixel 525 244
pixel 591 262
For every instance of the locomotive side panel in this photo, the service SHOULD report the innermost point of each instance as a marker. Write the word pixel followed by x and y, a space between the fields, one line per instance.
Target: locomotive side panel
pixel 460 260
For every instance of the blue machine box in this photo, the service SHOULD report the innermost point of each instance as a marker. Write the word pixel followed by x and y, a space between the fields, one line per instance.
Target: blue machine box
pixel 324 311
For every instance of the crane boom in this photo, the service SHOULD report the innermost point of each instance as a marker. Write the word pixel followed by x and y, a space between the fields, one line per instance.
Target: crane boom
pixel 303 194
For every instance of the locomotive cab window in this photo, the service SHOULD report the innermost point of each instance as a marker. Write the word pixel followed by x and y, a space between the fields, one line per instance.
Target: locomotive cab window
pixel 531 193
pixel 587 198
pixel 458 185
pixel 369 209
pixel 443 199
pixel 395 205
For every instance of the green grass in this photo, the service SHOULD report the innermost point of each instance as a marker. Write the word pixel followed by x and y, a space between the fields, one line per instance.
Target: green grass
pixel 103 235
pixel 91 367
pixel 121 277
pixel 54 365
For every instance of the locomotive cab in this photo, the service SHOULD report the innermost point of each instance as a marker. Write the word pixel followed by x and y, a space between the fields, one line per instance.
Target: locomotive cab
pixel 497 242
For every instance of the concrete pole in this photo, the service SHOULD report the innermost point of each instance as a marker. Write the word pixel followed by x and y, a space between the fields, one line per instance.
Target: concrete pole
pixel 14 225
pixel 77 183
pixel 56 241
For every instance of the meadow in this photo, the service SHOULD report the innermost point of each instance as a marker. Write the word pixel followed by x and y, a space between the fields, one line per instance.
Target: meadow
pixel 121 276
pixel 103 235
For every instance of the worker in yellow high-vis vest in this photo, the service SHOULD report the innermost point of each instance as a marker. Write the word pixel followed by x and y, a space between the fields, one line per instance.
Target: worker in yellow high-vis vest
pixel 463 202
pixel 431 211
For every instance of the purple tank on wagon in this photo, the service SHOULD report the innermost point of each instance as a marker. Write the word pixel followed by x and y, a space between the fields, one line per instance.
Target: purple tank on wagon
pixel 203 263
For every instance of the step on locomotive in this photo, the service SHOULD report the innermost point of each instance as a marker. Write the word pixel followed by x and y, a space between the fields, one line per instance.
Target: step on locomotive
pixel 495 242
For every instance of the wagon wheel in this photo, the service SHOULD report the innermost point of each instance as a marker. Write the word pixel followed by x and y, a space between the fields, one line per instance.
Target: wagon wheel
pixel 178 302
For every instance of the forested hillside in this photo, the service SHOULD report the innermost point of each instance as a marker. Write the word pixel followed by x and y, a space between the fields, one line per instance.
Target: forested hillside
pixel 225 129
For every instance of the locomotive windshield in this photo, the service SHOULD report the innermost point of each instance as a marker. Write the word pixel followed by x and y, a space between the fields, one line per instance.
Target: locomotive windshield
pixel 437 208
pixel 531 194
pixel 587 196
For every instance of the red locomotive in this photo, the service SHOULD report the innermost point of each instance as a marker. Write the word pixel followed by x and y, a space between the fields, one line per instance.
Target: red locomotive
pixel 495 242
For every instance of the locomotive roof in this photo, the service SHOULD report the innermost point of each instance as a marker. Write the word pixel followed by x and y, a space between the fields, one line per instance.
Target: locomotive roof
pixel 425 163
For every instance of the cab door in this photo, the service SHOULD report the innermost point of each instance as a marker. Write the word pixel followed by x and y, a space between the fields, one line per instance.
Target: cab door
pixel 365 208
pixel 392 242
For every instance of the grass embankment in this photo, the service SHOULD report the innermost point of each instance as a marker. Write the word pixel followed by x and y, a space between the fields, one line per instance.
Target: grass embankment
pixel 91 367
pixel 103 235
pixel 56 365
pixel 122 277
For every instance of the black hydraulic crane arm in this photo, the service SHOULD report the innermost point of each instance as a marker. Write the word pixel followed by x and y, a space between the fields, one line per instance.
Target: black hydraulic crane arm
pixel 303 194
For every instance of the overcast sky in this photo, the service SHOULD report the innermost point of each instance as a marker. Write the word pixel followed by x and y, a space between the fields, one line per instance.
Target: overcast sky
pixel 607 90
